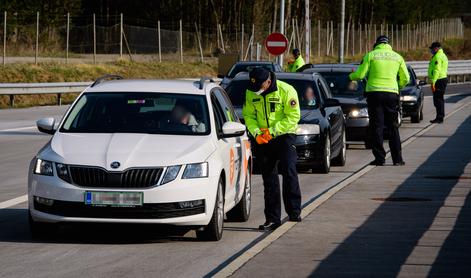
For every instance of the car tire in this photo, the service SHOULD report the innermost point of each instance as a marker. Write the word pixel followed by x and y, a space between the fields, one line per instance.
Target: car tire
pixel 213 231
pixel 421 112
pixel 241 212
pixel 41 229
pixel 324 166
pixel 415 117
pixel 341 158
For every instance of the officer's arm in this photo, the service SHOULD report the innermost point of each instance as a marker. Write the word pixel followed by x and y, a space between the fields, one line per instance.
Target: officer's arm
pixel 250 117
pixel 292 114
pixel 436 70
pixel 362 70
pixel 404 77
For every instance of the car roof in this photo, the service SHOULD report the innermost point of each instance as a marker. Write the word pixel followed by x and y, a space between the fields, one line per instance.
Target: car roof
pixel 281 75
pixel 254 63
pixel 147 85
pixel 332 68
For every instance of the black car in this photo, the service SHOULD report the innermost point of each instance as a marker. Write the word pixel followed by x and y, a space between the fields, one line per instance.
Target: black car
pixel 246 66
pixel 320 137
pixel 352 99
pixel 412 98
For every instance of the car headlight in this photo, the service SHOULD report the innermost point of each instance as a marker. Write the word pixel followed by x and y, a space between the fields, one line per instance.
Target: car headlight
pixel 197 170
pixel 408 98
pixel 171 173
pixel 358 113
pixel 43 167
pixel 308 129
pixel 63 172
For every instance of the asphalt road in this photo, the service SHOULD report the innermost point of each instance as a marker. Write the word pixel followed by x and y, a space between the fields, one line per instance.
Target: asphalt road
pixel 136 250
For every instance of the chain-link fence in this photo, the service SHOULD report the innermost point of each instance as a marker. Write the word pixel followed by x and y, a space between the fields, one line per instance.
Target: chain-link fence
pixel 88 41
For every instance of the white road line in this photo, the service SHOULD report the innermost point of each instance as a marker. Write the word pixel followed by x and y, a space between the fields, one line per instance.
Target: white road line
pixel 233 266
pixel 18 128
pixel 13 202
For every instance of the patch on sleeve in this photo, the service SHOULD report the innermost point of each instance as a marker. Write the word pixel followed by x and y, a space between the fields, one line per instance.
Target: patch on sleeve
pixel 293 103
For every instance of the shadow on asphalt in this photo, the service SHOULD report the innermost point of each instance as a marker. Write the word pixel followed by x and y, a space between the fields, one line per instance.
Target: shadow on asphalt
pixel 14 227
pixel 456 98
pixel 16 133
pixel 382 244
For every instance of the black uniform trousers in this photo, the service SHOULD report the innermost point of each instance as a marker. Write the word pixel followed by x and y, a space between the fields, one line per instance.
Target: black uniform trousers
pixel 438 98
pixel 383 109
pixel 280 149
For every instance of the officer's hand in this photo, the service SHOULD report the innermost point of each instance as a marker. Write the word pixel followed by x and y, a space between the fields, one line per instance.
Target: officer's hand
pixel 260 139
pixel 266 134
pixel 433 88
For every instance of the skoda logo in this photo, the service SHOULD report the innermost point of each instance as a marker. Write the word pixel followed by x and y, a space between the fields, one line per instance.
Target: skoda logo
pixel 115 164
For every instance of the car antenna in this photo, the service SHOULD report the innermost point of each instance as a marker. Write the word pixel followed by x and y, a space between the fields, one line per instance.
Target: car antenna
pixel 106 77
pixel 203 80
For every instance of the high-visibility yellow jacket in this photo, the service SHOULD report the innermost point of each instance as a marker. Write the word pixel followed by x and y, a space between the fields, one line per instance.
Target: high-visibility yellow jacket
pixel 438 66
pixel 278 110
pixel 299 62
pixel 384 69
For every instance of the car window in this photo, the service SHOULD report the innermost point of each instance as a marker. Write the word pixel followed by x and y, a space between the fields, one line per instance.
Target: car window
pixel 226 106
pixel 308 93
pixel 322 90
pixel 412 76
pixel 338 82
pixel 154 113
pixel 325 88
pixel 237 68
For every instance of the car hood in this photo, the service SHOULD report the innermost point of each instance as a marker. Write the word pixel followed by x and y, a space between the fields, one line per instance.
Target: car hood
pixel 351 102
pixel 129 149
pixel 409 90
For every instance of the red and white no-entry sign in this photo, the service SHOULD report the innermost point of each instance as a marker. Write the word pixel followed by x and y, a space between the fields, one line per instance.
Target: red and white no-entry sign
pixel 276 43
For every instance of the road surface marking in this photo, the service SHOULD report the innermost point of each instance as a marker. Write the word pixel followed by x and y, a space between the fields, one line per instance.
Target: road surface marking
pixel 18 128
pixel 14 201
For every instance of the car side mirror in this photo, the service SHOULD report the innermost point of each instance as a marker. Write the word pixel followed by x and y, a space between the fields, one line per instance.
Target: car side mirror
pixel 233 129
pixel 422 83
pixel 221 75
pixel 331 102
pixel 46 125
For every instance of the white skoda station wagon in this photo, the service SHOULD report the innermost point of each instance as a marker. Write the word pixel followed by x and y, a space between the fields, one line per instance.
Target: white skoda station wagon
pixel 144 151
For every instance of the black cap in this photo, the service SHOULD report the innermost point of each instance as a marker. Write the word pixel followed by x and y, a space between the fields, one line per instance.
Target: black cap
pixel 435 44
pixel 296 51
pixel 256 78
pixel 382 39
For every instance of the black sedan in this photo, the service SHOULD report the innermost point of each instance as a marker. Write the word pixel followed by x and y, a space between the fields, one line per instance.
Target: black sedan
pixel 320 137
pixel 246 66
pixel 412 98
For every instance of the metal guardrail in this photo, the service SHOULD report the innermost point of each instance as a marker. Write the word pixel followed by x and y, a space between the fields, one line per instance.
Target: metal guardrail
pixel 458 71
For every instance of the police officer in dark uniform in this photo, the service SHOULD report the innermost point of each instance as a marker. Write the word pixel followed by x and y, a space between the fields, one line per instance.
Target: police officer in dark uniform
pixel 271 113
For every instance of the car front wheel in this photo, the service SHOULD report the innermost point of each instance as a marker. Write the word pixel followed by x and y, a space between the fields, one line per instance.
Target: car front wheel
pixel 324 166
pixel 341 158
pixel 213 231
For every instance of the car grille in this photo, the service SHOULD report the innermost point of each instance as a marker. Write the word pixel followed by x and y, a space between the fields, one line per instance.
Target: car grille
pixel 98 177
pixel 146 211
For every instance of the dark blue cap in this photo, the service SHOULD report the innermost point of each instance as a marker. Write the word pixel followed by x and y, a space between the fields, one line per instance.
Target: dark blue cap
pixel 435 44
pixel 256 78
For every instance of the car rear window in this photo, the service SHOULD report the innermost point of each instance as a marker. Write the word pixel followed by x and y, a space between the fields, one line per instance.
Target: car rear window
pixel 308 93
pixel 154 113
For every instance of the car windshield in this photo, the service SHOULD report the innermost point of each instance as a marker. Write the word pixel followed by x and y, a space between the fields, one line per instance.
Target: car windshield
pixel 307 92
pixel 123 112
pixel 247 67
pixel 339 84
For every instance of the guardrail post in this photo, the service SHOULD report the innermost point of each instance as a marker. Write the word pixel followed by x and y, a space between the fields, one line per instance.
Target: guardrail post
pixel 12 100
pixel 59 100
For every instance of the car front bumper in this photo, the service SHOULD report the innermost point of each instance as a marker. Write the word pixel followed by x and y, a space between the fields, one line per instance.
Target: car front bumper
pixel 161 204
pixel 409 107
pixel 357 128
pixel 309 149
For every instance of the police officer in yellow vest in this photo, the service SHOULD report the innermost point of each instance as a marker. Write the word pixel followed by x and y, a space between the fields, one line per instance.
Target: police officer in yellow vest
pixel 298 61
pixel 437 74
pixel 271 113
pixel 386 74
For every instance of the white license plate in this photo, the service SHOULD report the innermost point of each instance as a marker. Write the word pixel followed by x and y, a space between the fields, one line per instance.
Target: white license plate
pixel 121 199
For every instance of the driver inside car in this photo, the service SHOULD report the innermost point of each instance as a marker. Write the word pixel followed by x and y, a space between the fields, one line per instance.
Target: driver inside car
pixel 309 98
pixel 181 115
